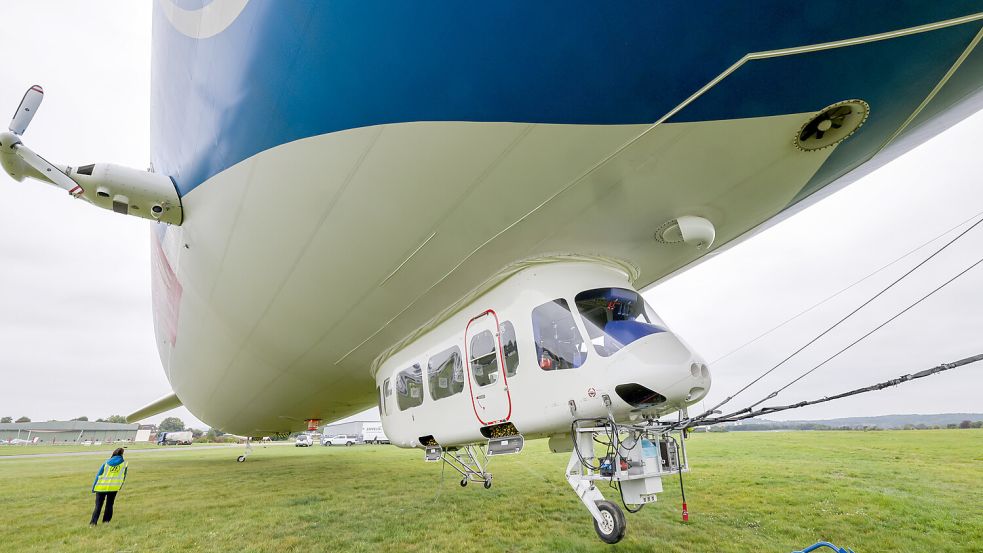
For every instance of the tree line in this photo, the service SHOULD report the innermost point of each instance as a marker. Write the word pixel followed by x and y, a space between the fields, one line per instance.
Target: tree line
pixel 766 426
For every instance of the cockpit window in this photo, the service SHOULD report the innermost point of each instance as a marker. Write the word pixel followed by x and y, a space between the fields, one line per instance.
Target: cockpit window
pixel 446 373
pixel 484 358
pixel 616 317
pixel 409 387
pixel 559 344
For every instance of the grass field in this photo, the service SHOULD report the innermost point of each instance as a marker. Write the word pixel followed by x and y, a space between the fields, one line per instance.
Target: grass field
pixel 901 491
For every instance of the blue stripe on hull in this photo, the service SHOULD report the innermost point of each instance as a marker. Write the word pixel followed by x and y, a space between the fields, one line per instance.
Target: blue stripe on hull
pixel 289 70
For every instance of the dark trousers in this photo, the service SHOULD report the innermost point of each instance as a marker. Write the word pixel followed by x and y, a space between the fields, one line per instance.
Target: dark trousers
pixel 109 498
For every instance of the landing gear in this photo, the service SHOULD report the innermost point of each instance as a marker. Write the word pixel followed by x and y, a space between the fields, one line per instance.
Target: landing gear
pixel 612 524
pixel 249 450
pixel 470 461
pixel 637 458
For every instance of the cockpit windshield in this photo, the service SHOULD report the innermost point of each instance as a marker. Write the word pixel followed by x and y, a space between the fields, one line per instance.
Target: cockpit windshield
pixel 616 317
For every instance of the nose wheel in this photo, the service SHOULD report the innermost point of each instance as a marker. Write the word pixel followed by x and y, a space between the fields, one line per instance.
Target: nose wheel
pixel 612 524
pixel 249 449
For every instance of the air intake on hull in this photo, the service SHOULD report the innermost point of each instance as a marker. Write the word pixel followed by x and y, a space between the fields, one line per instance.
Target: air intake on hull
pixel 639 396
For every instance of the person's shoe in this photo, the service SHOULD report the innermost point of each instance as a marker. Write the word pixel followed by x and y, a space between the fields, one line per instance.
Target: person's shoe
pixel 92 525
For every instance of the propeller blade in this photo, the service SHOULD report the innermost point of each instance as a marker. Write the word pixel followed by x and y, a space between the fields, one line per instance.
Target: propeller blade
pixel 819 135
pixel 26 110
pixel 48 171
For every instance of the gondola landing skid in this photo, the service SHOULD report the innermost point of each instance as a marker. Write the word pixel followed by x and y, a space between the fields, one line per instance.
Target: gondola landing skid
pixel 471 461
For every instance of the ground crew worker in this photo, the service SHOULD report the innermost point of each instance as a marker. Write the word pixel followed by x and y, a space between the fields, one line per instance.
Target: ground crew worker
pixel 108 482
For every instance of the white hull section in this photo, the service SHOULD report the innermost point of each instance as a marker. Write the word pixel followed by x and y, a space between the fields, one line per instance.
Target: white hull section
pixel 297 268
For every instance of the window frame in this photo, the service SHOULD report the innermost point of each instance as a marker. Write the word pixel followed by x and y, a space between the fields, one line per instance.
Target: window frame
pixel 581 346
pixel 387 393
pixel 511 369
pixel 431 376
pixel 493 353
pixel 408 394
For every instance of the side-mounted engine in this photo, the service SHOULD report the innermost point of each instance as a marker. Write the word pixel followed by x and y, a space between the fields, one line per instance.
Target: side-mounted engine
pixel 121 189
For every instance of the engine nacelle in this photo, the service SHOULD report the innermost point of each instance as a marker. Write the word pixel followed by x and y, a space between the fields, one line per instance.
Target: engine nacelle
pixel 121 189
pixel 129 191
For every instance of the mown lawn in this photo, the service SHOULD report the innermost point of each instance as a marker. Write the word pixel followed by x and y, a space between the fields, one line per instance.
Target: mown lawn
pixel 901 491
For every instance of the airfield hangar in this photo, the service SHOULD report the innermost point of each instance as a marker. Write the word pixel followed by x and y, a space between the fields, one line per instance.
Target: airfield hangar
pixel 69 432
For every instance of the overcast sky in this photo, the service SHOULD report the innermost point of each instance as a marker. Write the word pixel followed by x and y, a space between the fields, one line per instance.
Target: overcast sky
pixel 76 335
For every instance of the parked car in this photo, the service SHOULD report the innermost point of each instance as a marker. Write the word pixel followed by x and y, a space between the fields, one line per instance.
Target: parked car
pixel 340 439
pixel 304 440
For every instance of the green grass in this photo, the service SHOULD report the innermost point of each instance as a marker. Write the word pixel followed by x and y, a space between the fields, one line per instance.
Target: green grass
pixel 902 491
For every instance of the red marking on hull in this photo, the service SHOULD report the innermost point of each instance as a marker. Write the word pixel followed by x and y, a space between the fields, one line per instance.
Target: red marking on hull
pixel 501 367
pixel 167 291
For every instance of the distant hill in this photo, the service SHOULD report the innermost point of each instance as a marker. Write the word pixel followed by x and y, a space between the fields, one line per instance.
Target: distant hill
pixel 898 421
pixel 881 421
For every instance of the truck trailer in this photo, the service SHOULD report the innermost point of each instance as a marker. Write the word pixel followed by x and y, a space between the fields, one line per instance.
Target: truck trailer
pixel 174 438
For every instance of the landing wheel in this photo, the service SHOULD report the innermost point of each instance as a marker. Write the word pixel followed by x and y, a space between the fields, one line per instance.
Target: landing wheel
pixel 488 484
pixel 241 459
pixel 612 526
pixel 464 482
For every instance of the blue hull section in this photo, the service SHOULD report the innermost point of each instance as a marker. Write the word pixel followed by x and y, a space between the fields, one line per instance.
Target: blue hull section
pixel 283 71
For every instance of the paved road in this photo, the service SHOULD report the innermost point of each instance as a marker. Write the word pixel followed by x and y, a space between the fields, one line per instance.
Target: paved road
pixel 167 449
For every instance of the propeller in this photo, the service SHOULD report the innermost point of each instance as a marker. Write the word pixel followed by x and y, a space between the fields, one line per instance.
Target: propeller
pixel 832 119
pixel 19 160
pixel 26 110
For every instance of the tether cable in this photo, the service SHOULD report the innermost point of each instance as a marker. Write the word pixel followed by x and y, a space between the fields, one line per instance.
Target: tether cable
pixel 842 290
pixel 739 416
pixel 858 340
pixel 843 319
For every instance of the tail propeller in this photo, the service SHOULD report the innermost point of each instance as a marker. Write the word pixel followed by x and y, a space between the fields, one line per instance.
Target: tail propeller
pixel 25 111
pixel 144 194
pixel 18 160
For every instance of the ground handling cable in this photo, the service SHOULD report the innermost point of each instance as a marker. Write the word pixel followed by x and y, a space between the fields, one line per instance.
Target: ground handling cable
pixel 842 290
pixel 751 413
pixel 710 411
pixel 858 340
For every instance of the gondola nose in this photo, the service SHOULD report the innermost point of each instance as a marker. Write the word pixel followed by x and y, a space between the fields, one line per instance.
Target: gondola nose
pixel 658 371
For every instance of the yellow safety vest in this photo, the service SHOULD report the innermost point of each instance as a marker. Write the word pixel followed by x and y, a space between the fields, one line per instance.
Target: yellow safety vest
pixel 111 479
